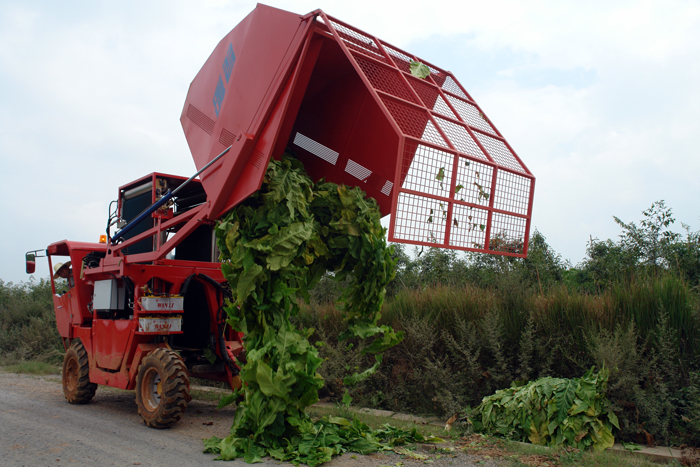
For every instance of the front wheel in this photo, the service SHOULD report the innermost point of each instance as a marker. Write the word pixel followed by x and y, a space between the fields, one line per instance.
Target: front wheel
pixel 162 388
pixel 76 375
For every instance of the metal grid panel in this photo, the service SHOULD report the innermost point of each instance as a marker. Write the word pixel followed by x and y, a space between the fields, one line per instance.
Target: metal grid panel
pixel 316 148
pixel 386 189
pixel 431 97
pixel 385 79
pixel 432 135
pixel 443 108
pixel 461 139
pixel 438 78
pixel 448 177
pixel 507 233
pixel 426 91
pixel 473 182
pixel 199 119
pixel 403 61
pixel 420 219
pixel 412 121
pixel 359 42
pixel 468 227
pixel 500 152
pixel 356 170
pixel 451 86
pixel 430 171
pixel 512 192
pixel 471 114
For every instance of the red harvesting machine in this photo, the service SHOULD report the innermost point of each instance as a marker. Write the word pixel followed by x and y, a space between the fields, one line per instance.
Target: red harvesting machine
pixel 143 309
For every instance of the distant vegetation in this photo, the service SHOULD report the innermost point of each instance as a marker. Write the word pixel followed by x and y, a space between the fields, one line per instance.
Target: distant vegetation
pixel 28 323
pixel 475 323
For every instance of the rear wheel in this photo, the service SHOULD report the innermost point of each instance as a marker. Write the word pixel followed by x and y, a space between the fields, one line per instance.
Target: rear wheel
pixel 162 388
pixel 76 375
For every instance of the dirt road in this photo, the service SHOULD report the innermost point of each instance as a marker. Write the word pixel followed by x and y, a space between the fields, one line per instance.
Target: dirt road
pixel 39 428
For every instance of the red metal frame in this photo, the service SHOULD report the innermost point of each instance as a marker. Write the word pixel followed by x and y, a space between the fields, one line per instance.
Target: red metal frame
pixel 116 347
pixel 346 103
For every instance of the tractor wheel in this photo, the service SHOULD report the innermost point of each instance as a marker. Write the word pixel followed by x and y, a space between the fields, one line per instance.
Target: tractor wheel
pixel 76 375
pixel 162 388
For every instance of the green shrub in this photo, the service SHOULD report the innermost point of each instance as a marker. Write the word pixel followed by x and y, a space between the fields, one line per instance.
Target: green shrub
pixel 28 323
pixel 465 342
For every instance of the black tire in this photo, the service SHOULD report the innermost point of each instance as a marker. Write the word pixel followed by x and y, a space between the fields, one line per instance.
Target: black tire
pixel 162 388
pixel 75 376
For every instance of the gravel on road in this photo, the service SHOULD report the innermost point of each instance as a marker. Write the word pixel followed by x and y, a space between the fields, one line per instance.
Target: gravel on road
pixel 38 427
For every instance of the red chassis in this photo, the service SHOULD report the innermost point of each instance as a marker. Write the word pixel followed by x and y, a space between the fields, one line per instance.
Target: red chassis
pixel 113 312
pixel 144 311
pixel 116 344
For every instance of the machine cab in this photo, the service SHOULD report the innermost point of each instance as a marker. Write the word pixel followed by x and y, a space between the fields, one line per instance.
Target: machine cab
pixel 71 293
pixel 135 197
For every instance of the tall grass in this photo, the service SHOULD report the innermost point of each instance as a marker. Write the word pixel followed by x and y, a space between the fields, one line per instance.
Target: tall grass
pixel 464 342
pixel 28 323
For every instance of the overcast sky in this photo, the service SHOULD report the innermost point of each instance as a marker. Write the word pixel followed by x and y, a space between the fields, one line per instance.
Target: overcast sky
pixel 600 99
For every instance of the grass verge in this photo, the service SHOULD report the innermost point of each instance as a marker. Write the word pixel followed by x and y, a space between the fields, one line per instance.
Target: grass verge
pixel 32 368
pixel 374 421
pixel 521 454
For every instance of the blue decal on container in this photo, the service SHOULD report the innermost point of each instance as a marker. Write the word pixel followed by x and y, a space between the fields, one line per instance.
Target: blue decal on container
pixel 228 62
pixel 219 96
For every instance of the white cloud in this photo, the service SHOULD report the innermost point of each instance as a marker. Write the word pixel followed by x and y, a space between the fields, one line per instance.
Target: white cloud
pixel 599 99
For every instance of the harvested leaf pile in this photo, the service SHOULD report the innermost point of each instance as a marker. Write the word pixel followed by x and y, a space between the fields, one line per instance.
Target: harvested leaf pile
pixel 274 248
pixel 552 411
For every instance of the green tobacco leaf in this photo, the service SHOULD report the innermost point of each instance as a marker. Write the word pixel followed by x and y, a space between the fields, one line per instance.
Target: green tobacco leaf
pixel 565 399
pixel 209 355
pixel 275 246
pixel 270 384
pixel 248 281
pixel 232 235
pixel 631 446
pixel 228 399
pixel 387 341
pixel 284 246
pixel 212 445
pixel 419 70
pixel 441 174
pixel 357 377
pixel 550 411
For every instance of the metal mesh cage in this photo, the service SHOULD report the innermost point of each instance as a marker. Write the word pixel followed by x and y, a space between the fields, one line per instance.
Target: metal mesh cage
pixel 459 184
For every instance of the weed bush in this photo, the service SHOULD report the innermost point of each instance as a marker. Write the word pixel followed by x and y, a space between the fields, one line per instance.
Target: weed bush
pixel 28 323
pixel 473 324
pixel 462 343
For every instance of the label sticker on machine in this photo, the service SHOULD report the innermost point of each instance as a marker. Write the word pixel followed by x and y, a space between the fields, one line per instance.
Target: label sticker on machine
pixel 162 303
pixel 160 324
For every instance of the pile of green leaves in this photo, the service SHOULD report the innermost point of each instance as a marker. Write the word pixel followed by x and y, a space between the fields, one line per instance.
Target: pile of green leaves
pixel 316 443
pixel 552 411
pixel 274 247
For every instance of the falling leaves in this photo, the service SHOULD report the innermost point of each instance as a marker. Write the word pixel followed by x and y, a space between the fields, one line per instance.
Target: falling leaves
pixel 440 176
pixel 275 246
pixel 419 70
pixel 482 193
